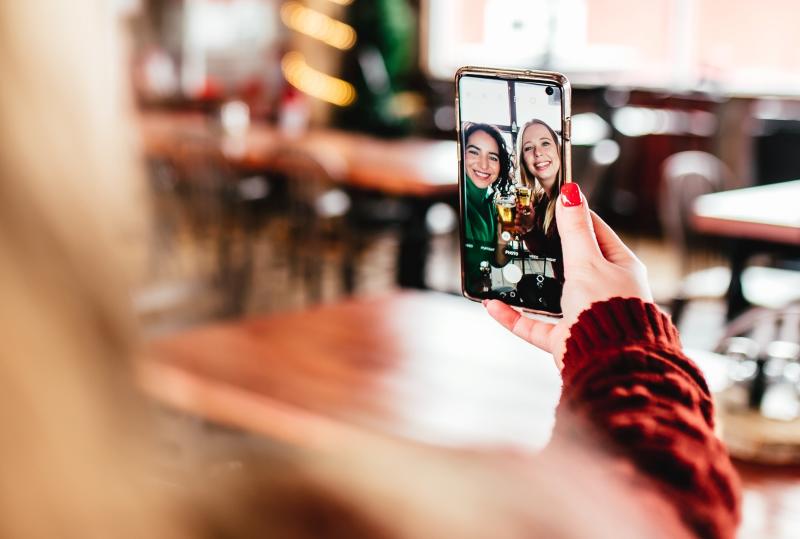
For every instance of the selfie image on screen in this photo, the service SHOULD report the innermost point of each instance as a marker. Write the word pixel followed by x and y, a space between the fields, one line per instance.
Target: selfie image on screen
pixel 511 139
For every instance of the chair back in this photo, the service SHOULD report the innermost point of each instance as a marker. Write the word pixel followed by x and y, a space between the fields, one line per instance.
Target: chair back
pixel 317 209
pixel 203 178
pixel 192 267
pixel 686 176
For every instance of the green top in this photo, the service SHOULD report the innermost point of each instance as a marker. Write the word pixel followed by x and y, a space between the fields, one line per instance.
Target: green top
pixel 481 230
pixel 481 220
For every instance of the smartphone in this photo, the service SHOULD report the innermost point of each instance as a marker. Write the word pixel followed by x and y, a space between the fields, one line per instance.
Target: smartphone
pixel 514 156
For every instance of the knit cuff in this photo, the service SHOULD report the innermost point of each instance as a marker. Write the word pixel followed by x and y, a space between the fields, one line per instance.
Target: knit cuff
pixel 614 324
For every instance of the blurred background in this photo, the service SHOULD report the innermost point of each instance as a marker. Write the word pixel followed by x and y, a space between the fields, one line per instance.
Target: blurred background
pixel 297 278
pixel 302 151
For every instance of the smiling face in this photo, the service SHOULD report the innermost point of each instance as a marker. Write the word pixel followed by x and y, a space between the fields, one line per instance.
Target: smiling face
pixel 482 159
pixel 540 155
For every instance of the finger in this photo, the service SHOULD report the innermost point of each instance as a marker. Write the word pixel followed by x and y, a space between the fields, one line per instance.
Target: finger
pixel 578 241
pixel 535 332
pixel 610 244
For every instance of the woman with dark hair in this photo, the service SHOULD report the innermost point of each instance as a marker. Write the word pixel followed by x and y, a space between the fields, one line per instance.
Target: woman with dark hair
pixel 487 167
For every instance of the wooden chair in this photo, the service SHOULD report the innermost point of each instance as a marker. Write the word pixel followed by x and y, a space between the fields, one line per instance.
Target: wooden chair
pixel 686 176
pixel 330 222
pixel 317 207
pixel 201 266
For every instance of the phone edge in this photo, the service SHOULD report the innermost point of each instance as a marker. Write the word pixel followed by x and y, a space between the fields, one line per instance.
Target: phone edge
pixel 566 135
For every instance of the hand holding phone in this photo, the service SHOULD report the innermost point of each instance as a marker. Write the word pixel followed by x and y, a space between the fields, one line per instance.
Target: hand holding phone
pixel 514 156
pixel 598 266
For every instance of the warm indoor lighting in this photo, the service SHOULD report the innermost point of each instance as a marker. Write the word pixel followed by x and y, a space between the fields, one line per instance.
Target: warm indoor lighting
pixel 315 83
pixel 318 25
pixel 342 2
pixel 235 118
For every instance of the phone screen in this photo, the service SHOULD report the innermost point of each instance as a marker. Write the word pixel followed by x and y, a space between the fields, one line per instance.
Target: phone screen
pixel 512 169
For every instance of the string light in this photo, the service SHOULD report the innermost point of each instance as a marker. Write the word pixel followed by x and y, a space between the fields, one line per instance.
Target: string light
pixel 318 25
pixel 316 83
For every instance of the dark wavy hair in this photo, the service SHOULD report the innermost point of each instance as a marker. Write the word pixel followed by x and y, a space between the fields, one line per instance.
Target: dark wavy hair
pixel 503 181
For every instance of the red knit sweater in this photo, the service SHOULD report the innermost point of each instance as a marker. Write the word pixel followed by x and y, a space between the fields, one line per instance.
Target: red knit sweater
pixel 626 376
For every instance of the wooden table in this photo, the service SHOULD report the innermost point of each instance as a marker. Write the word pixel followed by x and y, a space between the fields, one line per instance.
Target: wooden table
pixel 421 171
pixel 428 366
pixel 405 167
pixel 421 366
pixel 757 219
pixel 766 213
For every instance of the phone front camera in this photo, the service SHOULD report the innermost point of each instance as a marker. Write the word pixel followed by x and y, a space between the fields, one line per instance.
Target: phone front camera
pixel 549 90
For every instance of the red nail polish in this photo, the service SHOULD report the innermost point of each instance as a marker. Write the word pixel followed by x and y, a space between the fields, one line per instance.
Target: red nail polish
pixel 570 194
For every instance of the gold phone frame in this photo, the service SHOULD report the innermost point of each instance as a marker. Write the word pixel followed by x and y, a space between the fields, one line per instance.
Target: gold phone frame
pixel 525 75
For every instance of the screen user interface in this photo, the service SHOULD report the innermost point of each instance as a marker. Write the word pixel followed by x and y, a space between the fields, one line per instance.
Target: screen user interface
pixel 512 175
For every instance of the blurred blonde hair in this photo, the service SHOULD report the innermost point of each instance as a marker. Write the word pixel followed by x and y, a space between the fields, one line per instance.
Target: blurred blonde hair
pixel 70 218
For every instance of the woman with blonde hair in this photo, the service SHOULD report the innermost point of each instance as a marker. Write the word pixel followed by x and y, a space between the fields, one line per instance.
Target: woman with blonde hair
pixel 539 165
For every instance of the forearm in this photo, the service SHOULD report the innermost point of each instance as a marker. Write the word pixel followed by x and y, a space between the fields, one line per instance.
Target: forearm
pixel 626 376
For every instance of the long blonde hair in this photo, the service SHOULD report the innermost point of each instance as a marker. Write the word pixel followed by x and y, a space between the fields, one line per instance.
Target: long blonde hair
pixel 526 177
pixel 70 216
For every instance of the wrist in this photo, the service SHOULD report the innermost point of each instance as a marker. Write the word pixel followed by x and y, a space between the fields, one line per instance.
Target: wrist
pixel 615 324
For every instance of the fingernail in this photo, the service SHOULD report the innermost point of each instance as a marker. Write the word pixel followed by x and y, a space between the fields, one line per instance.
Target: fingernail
pixel 570 194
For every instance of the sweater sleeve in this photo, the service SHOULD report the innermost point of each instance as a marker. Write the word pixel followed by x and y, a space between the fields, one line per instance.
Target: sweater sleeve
pixel 626 377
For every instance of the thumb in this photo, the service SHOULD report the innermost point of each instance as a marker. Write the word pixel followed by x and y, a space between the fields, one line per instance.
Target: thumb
pixel 578 241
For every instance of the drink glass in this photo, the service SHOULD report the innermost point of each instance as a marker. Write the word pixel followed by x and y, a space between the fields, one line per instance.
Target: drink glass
pixel 524 198
pixel 507 210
